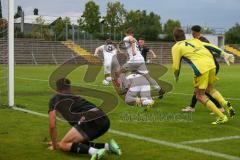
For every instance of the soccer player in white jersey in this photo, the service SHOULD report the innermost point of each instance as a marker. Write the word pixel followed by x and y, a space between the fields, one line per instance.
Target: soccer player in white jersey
pixel 109 50
pixel 136 89
pixel 136 61
pixel 139 91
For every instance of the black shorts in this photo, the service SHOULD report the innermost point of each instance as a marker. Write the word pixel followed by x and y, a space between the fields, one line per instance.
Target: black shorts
pixel 93 129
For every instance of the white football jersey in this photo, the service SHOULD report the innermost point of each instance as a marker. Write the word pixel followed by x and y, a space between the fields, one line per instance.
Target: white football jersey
pixel 138 56
pixel 108 52
pixel 138 83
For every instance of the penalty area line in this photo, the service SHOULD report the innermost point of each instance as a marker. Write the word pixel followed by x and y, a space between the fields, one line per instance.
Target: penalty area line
pixel 152 140
pixel 94 85
pixel 210 140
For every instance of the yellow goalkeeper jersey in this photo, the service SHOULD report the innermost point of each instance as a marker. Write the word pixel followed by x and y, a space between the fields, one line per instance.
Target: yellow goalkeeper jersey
pixel 196 53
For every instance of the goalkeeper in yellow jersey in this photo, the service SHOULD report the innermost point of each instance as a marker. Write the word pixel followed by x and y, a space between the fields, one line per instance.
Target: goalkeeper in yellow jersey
pixel 197 55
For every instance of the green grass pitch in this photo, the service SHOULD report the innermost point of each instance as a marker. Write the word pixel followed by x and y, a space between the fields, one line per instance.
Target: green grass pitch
pixel 22 134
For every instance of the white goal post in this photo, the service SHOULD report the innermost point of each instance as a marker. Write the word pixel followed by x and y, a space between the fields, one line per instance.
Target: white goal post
pixel 11 53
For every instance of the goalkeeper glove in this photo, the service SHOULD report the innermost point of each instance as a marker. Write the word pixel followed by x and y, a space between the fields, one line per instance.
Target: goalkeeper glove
pixel 229 58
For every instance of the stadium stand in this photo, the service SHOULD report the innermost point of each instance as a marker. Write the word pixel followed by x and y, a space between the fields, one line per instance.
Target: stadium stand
pixel 162 50
pixel 3 51
pixel 38 51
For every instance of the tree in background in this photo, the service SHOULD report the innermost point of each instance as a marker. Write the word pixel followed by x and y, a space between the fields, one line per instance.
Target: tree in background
pixel 146 25
pixel 59 27
pixel 132 19
pixel 91 18
pixel 152 26
pixel 114 18
pixel 67 21
pixel 169 27
pixel 35 11
pixel 232 36
pixel 0 10
pixel 81 23
pixel 40 29
pixel 3 27
pixel 207 30
pixel 19 12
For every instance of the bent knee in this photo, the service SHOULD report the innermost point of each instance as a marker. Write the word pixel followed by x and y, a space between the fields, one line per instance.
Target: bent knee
pixel 200 97
pixel 130 102
pixel 210 88
pixel 64 146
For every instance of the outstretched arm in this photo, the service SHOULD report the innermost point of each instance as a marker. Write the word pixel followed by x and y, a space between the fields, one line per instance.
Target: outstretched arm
pixel 229 58
pixel 97 50
pixel 153 54
pixel 216 50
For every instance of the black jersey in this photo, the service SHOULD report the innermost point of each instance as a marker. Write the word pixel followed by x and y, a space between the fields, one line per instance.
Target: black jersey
pixel 74 109
pixel 204 39
pixel 144 52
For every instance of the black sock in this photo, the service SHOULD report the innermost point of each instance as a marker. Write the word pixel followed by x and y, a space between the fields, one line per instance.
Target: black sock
pixel 95 145
pixel 214 100
pixel 194 101
pixel 79 148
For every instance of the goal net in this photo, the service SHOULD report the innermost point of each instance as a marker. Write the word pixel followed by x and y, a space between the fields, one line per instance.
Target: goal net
pixel 3 52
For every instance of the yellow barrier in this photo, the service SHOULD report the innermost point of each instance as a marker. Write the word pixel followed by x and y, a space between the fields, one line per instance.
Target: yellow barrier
pixel 80 51
pixel 232 50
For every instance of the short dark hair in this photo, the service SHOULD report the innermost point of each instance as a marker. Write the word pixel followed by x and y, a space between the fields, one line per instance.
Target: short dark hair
pixel 179 34
pixel 130 30
pixel 108 41
pixel 63 84
pixel 196 28
pixel 142 39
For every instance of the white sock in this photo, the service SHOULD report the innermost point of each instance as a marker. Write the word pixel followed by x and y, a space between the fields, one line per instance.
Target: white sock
pixel 158 88
pixel 92 151
pixel 109 79
pixel 147 102
pixel 106 146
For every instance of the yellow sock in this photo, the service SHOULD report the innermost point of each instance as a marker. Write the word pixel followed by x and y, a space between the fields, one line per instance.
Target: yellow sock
pixel 217 95
pixel 214 108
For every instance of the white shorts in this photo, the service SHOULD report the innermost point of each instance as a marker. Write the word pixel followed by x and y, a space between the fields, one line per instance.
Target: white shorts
pixel 139 67
pixel 138 89
pixel 107 69
pixel 143 91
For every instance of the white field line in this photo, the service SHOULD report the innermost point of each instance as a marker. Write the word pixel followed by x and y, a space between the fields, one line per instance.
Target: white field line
pixel 210 140
pixel 32 79
pixel 44 80
pixel 34 113
pixel 155 141
pixel 188 94
pixel 176 93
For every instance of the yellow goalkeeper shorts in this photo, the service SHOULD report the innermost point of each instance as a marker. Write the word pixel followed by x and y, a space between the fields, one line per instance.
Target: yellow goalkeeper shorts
pixel 205 79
